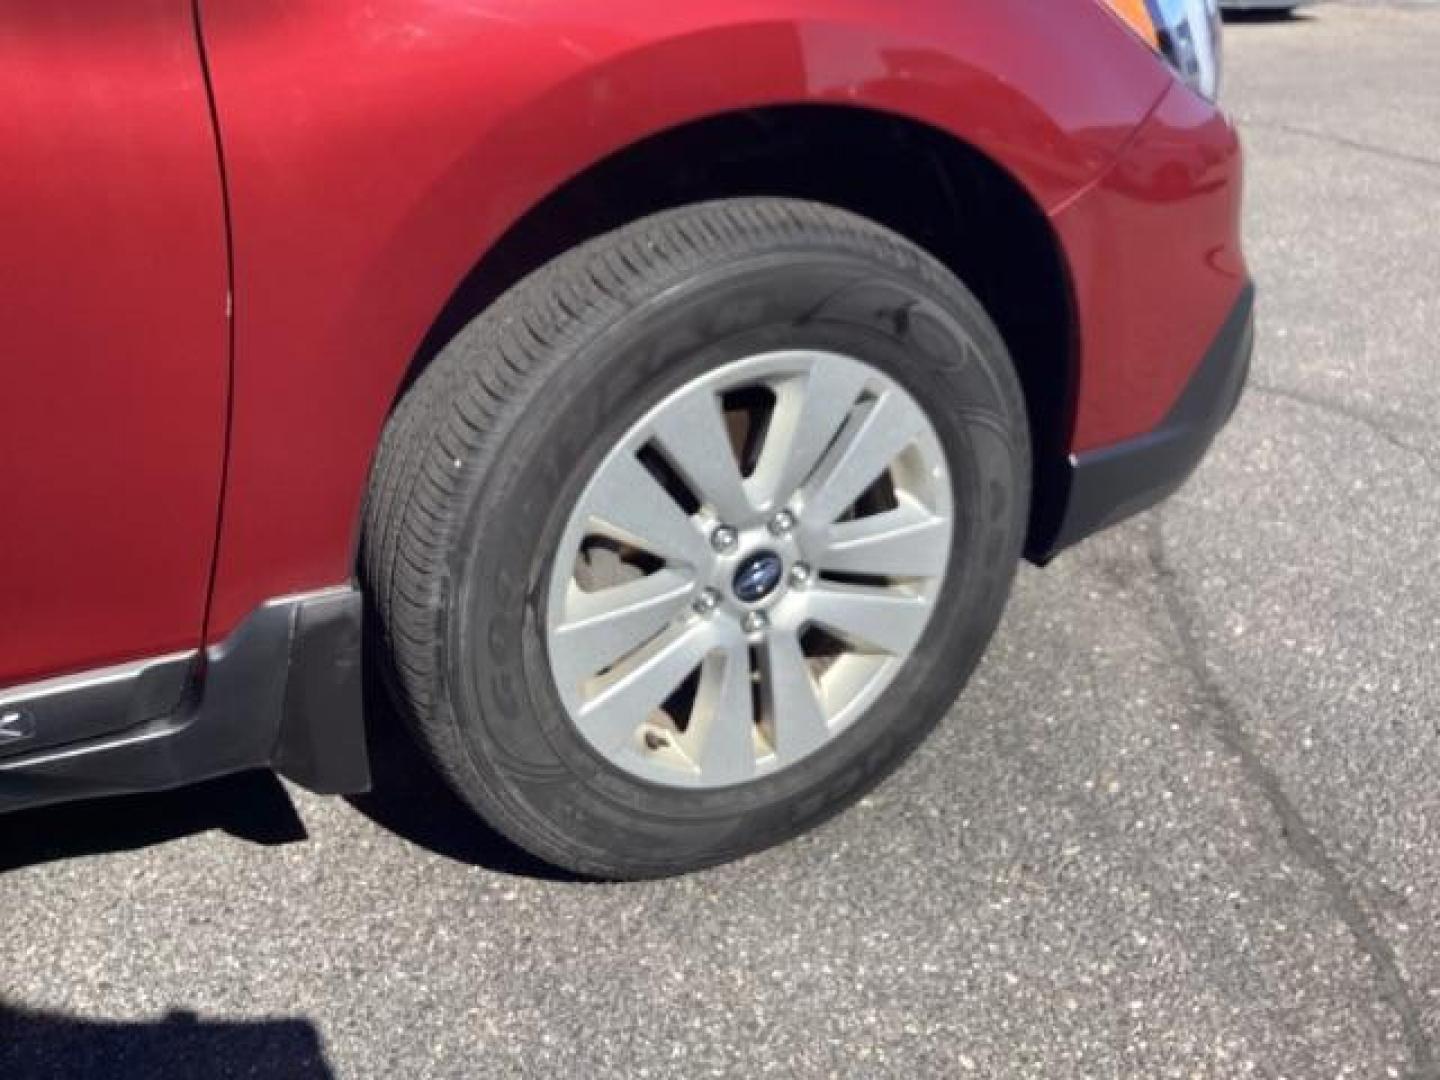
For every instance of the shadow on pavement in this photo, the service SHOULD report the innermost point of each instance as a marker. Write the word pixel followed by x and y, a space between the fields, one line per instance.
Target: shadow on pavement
pixel 1273 15
pixel 250 806
pixel 408 798
pixel 41 1045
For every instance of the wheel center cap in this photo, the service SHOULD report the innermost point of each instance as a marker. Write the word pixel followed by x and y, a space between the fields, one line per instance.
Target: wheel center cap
pixel 757 577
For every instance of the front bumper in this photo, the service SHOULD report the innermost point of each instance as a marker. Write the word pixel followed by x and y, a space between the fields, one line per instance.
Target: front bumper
pixel 1105 486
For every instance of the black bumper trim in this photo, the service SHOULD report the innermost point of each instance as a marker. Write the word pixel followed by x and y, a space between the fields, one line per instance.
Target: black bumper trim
pixel 284 691
pixel 1104 487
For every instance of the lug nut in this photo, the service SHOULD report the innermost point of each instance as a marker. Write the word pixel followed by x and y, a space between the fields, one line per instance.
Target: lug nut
pixel 724 539
pixel 755 622
pixel 706 602
pixel 783 523
pixel 800 575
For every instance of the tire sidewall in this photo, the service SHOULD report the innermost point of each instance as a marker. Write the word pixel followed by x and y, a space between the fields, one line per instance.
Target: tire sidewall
pixel 916 325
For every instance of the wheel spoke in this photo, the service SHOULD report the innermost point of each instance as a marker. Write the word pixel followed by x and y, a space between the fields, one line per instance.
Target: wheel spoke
pixel 605 626
pixel 860 580
pixel 613 715
pixel 808 414
pixel 692 434
pixel 722 723
pixel 906 542
pixel 889 426
pixel 792 707
pixel 880 619
pixel 630 504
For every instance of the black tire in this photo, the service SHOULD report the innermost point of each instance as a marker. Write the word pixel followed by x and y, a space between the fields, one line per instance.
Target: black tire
pixel 487 451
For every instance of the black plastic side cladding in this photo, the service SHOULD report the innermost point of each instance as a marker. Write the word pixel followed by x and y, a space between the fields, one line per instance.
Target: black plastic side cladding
pixel 58 712
pixel 282 691
pixel 1104 487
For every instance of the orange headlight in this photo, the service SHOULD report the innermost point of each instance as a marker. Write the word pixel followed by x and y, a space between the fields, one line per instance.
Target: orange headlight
pixel 1137 15
pixel 1185 32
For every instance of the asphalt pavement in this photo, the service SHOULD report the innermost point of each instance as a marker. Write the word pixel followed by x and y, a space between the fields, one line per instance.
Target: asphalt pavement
pixel 1185 823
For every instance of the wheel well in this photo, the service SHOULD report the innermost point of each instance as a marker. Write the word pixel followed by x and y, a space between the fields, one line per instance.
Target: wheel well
pixel 931 188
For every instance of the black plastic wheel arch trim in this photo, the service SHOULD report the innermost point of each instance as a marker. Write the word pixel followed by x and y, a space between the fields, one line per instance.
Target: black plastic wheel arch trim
pixel 1104 487
pixel 283 691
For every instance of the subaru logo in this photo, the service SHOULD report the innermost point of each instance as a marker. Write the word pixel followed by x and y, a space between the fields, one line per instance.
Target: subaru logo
pixel 757 577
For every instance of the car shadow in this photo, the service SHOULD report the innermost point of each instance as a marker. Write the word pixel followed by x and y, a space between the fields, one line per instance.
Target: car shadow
pixel 250 806
pixel 408 798
pixel 1300 17
pixel 42 1045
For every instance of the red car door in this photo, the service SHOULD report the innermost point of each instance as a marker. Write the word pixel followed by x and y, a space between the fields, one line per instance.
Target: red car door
pixel 114 355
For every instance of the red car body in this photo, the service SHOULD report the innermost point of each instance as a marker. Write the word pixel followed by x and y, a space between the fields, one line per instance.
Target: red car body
pixel 228 231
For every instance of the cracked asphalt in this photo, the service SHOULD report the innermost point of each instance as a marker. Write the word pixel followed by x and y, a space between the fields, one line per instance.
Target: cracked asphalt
pixel 1185 823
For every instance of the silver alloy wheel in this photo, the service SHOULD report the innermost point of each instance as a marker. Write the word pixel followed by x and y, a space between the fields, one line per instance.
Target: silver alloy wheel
pixel 748 568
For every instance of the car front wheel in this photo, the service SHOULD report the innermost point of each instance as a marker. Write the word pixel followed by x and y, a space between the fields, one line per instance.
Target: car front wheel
pixel 688 540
